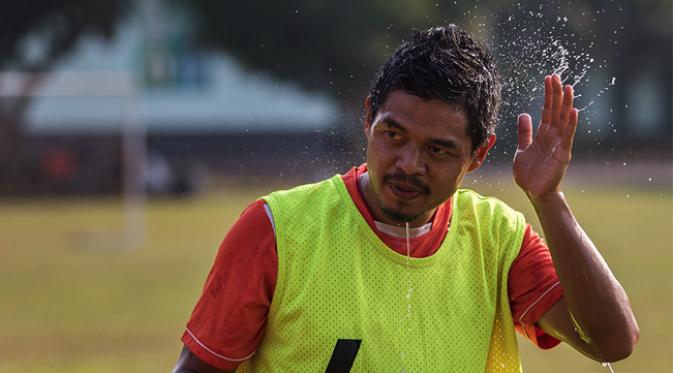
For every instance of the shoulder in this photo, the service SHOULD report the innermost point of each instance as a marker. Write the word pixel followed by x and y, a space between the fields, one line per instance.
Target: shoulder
pixel 312 195
pixel 496 222
pixel 322 185
pixel 484 205
pixel 254 222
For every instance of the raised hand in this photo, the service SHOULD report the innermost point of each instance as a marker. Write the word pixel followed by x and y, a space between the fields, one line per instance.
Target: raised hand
pixel 541 161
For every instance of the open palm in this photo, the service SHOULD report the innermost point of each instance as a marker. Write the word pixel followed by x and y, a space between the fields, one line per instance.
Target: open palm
pixel 541 161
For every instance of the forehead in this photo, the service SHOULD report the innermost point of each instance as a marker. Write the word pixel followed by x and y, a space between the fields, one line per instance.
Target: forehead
pixel 433 116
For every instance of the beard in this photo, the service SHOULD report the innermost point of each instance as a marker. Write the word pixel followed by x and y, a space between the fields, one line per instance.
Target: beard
pixel 399 216
pixel 396 214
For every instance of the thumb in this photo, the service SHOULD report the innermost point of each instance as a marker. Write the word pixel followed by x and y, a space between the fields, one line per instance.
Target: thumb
pixel 524 131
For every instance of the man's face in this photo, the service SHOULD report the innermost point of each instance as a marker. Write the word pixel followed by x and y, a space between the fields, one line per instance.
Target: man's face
pixel 418 152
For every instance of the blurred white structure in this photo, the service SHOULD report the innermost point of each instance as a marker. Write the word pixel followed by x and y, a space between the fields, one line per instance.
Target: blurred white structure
pixel 181 89
pixel 110 85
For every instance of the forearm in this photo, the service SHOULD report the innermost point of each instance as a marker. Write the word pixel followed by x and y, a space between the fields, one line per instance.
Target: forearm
pixel 190 363
pixel 596 301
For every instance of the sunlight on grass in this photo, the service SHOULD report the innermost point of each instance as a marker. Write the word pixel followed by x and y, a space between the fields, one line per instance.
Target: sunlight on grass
pixel 70 306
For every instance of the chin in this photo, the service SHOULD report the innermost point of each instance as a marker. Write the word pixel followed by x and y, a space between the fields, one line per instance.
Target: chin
pixel 400 215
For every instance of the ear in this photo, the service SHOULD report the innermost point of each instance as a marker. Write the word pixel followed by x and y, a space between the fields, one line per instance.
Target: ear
pixel 368 115
pixel 480 153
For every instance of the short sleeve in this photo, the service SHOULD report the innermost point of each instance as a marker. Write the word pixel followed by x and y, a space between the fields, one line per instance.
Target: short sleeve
pixel 227 323
pixel 533 288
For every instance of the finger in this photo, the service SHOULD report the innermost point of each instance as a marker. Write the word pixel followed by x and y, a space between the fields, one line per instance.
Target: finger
pixel 556 99
pixel 524 131
pixel 546 109
pixel 569 134
pixel 542 135
pixel 566 107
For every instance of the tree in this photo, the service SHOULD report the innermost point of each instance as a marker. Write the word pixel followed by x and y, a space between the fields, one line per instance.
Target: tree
pixel 332 47
pixel 335 47
pixel 34 36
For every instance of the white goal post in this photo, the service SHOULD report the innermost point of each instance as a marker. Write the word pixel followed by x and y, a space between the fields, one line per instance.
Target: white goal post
pixel 133 130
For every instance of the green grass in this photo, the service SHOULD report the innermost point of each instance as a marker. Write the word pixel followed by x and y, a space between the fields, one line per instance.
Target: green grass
pixel 73 299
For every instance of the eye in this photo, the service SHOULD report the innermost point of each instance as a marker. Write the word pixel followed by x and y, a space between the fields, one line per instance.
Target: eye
pixel 392 135
pixel 436 150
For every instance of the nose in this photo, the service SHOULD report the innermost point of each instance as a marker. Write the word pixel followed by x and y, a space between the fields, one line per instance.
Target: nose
pixel 409 160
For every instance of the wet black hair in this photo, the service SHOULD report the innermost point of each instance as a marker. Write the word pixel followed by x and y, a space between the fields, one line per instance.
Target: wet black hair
pixel 444 63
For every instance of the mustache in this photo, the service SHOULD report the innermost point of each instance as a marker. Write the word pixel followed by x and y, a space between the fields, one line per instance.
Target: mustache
pixel 401 177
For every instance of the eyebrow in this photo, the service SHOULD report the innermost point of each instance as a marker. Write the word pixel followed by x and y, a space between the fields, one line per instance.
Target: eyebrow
pixel 391 122
pixel 449 144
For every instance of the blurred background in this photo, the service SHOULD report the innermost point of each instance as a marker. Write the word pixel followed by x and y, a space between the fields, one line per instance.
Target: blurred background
pixel 133 133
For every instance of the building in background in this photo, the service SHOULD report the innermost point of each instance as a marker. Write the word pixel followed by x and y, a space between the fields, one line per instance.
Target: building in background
pixel 195 112
pixel 198 113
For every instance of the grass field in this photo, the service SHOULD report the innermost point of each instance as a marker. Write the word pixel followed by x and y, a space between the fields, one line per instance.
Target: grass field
pixel 73 299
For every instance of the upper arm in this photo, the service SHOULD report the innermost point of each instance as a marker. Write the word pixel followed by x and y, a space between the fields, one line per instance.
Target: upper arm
pixel 533 288
pixel 190 363
pixel 228 321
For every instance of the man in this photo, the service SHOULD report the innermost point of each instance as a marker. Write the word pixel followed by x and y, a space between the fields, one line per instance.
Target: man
pixel 391 267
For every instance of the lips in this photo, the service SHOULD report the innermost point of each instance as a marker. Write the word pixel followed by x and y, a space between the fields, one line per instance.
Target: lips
pixel 404 191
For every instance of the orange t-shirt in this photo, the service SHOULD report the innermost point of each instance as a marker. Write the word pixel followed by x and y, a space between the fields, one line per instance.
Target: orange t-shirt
pixel 228 321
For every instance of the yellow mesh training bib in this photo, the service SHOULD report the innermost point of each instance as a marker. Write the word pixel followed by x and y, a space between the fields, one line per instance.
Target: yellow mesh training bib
pixel 343 298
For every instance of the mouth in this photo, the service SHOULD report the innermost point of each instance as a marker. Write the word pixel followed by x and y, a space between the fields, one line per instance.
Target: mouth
pixel 405 191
